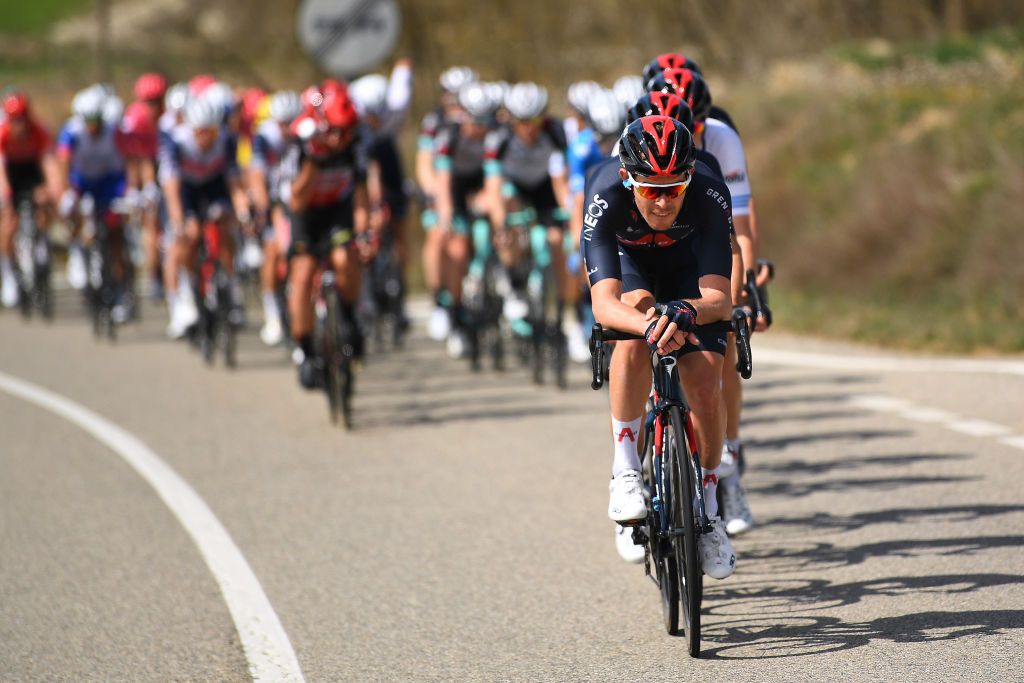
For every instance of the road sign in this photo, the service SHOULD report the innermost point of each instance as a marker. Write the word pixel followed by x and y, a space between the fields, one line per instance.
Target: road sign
pixel 348 37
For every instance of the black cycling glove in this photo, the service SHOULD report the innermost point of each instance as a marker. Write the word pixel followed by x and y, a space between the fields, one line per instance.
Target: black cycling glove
pixel 682 313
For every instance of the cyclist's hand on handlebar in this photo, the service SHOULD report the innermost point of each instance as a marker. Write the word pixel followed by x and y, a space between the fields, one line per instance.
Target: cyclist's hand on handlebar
pixel 671 330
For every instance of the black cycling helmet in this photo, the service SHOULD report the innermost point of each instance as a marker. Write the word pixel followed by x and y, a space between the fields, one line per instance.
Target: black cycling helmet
pixel 668 60
pixel 656 147
pixel 689 85
pixel 662 104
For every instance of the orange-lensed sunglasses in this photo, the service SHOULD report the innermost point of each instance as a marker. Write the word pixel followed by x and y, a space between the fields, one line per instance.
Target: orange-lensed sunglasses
pixel 651 191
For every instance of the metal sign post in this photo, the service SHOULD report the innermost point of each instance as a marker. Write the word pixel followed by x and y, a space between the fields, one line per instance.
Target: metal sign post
pixel 348 37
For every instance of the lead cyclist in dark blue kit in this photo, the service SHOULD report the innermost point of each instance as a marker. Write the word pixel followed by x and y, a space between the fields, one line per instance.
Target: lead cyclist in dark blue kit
pixel 657 228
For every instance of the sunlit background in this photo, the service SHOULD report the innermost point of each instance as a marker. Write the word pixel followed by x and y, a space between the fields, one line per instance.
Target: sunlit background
pixel 885 137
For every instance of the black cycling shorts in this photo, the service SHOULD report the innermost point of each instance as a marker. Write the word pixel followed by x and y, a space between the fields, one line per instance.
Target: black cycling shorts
pixel 664 273
pixel 196 200
pixel 542 199
pixel 319 230
pixel 24 178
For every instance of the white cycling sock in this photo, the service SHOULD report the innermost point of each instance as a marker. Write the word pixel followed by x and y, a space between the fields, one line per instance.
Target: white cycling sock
pixel 270 309
pixel 732 444
pixel 710 491
pixel 626 436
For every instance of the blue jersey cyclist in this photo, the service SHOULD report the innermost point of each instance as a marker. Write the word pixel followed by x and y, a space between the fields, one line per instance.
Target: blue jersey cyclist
pixel 658 229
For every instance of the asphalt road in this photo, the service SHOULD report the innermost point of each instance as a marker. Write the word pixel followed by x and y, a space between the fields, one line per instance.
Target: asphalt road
pixel 460 532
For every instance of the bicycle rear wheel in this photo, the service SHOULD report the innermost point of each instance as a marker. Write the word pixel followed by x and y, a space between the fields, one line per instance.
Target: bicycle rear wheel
pixel 678 461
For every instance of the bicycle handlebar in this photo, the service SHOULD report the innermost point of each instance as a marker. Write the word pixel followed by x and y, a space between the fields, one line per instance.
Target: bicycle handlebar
pixel 599 335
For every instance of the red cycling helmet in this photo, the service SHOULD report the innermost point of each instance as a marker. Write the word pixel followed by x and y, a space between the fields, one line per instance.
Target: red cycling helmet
pixel 16 105
pixel 660 104
pixel 151 86
pixel 199 83
pixel 668 60
pixel 689 85
pixel 656 147
pixel 338 110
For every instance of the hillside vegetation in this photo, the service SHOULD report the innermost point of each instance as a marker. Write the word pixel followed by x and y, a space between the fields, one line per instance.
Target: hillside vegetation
pixel 890 185
pixel 885 136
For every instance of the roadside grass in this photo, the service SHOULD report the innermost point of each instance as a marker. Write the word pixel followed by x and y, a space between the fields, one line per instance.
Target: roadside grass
pixel 36 16
pixel 894 210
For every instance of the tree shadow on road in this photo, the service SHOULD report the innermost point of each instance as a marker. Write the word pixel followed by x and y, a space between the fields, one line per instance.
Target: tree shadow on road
pixel 805 467
pixel 790 489
pixel 794 556
pixel 814 437
pixel 825 522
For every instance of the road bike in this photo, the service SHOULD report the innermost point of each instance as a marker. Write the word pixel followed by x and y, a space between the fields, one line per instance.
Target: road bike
pixel 673 478
pixel 33 260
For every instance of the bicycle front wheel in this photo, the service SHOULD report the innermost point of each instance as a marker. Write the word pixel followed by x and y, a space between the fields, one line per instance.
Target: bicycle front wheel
pixel 678 459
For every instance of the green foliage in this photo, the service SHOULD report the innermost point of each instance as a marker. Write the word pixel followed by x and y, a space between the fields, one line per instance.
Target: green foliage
pixel 35 16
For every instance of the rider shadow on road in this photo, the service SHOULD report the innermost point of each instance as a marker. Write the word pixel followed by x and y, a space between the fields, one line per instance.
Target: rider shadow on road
pixel 825 522
pixel 763 637
pixel 804 467
pixel 814 437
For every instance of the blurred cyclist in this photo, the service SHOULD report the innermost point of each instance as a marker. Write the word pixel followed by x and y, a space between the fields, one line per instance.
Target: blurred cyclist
pixel 27 166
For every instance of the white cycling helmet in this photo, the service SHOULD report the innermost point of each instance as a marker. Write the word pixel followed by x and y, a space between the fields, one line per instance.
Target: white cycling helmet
pixel 221 96
pixel 200 112
pixel 370 94
pixel 579 95
pixel 453 78
pixel 606 114
pixel 526 100
pixel 497 91
pixel 88 104
pixel 176 97
pixel 113 110
pixel 477 99
pixel 285 106
pixel 629 89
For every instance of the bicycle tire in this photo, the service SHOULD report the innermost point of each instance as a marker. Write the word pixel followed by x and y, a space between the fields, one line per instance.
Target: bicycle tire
pixel 659 542
pixel 677 451
pixel 330 349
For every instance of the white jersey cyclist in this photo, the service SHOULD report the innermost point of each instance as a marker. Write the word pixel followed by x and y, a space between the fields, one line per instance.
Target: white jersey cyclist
pixel 723 143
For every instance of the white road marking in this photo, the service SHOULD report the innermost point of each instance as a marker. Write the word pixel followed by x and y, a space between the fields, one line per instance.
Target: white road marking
pixel 978 428
pixel 266 646
pixel 885 363
pixel 905 409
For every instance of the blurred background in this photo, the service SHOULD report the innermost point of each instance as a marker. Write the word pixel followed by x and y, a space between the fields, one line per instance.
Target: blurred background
pixel 885 137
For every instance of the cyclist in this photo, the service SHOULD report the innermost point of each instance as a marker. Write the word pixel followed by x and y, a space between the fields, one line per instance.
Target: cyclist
pixel 451 81
pixel 628 89
pixel 578 97
pixel 329 205
pixel 28 166
pixel 529 155
pixel 140 127
pixel 269 194
pixel 91 153
pixel 605 118
pixel 382 104
pixel 459 196
pixel 675 60
pixel 657 229
pixel 722 142
pixel 200 179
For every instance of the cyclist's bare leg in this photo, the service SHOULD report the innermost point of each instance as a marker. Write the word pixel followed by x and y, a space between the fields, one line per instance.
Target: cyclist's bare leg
pixel 348 274
pixel 227 244
pixel 433 247
pixel 567 286
pixel 151 241
pixel 701 374
pixel 300 307
pixel 457 253
pixel 8 227
pixel 44 208
pixel 630 371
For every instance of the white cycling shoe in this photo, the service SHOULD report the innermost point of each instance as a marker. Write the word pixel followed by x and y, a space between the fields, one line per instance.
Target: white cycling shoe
pixel 272 333
pixel 738 517
pixel 626 501
pixel 9 291
pixel 440 324
pixel 717 558
pixel 628 551
pixel 184 315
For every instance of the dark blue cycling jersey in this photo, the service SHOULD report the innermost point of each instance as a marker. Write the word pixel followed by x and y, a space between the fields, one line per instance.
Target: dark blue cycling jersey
pixel 699 242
